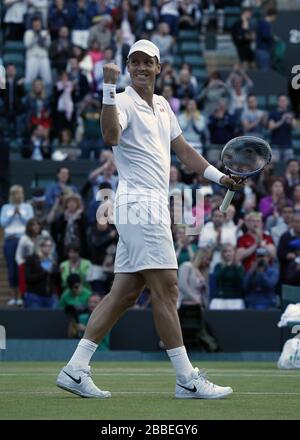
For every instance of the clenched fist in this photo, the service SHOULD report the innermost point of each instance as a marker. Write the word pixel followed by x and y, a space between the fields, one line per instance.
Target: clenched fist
pixel 111 73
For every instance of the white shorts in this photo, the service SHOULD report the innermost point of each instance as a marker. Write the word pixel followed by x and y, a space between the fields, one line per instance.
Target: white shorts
pixel 143 243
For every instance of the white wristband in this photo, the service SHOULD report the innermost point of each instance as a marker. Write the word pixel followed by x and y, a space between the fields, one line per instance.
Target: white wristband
pixel 109 94
pixel 211 173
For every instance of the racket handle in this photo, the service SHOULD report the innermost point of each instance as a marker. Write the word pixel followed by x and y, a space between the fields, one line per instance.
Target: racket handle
pixel 227 200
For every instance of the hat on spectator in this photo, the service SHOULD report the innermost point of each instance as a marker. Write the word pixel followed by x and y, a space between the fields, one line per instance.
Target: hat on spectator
pixel 38 195
pixel 145 46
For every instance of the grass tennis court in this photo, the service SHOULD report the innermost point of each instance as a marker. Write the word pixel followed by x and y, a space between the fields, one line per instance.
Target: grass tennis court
pixel 144 390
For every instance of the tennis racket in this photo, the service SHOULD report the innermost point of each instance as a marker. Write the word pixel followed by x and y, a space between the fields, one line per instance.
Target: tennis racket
pixel 243 157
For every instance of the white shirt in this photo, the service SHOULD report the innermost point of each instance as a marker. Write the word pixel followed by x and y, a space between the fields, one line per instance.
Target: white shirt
pixel 143 154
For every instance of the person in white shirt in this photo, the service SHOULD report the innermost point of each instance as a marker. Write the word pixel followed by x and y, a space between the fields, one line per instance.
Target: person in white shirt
pixel 142 129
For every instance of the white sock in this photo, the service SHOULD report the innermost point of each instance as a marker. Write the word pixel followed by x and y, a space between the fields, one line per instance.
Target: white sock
pixel 180 361
pixel 83 353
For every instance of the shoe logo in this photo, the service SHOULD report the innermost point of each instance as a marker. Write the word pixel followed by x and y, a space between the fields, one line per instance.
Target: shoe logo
pixel 193 390
pixel 73 378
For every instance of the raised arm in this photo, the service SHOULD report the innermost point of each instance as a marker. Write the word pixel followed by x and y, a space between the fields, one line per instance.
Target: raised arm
pixel 110 125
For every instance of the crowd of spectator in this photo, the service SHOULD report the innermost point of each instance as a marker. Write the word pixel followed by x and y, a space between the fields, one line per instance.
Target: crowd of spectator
pixel 57 254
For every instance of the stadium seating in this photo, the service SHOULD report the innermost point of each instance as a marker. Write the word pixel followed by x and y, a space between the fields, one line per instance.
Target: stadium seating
pixel 290 295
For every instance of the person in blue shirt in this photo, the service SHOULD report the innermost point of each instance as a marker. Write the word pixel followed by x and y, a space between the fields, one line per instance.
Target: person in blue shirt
pixel 264 40
pixel 54 190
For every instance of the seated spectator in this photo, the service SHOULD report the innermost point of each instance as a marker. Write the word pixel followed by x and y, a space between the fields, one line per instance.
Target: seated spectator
pixel 270 204
pixel 93 302
pixel 61 49
pixel 74 298
pixel 37 42
pixel 281 124
pixel 58 17
pixel 75 264
pixel 55 190
pixel 164 41
pixel 190 14
pixel 168 94
pixel 167 77
pixel 254 238
pixel 146 20
pixel 184 247
pixel 193 125
pixel 243 37
pixel 264 39
pixel 12 97
pixel 291 176
pixel 214 90
pixel 260 281
pixel 70 227
pixel 288 248
pixel 38 106
pixel 39 147
pixel 14 216
pixel 238 92
pixel 41 276
pixel 216 233
pixel 296 198
pixel 253 119
pixel 213 10
pixel 282 222
pixel 104 173
pixel 228 274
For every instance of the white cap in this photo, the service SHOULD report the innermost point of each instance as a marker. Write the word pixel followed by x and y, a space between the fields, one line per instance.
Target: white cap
pixel 145 46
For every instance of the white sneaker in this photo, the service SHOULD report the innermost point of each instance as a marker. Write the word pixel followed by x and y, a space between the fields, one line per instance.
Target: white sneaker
pixel 79 381
pixel 197 386
pixel 11 302
pixel 19 302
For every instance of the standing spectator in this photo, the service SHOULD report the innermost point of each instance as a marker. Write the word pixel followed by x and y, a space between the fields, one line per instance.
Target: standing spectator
pixel 169 13
pixel 243 36
pixel 281 124
pixel 80 18
pixel 193 125
pixel 80 83
pixel 64 107
pixel 164 41
pixel 168 94
pixel 228 276
pixel 124 19
pixel 190 14
pixel 146 20
pixel 254 238
pixel 40 276
pixel 58 17
pixel 12 98
pixel 283 223
pixel 238 91
pixel 75 265
pixel 101 31
pixel 213 9
pixel 222 127
pixel 92 141
pixel 291 176
pixel 253 119
pixel 61 49
pixel 264 40
pixel 214 90
pixel 260 281
pixel 70 226
pixel 184 247
pixel 14 19
pixel 63 182
pixel 14 216
pixel 38 106
pixel 289 246
pixel 296 198
pixel 37 42
pixel 216 233
pixel 270 204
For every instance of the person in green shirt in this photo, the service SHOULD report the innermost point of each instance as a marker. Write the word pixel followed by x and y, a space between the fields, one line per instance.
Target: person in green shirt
pixel 75 264
pixel 76 296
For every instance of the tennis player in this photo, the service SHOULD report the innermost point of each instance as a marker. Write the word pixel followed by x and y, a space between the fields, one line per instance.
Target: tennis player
pixel 141 128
